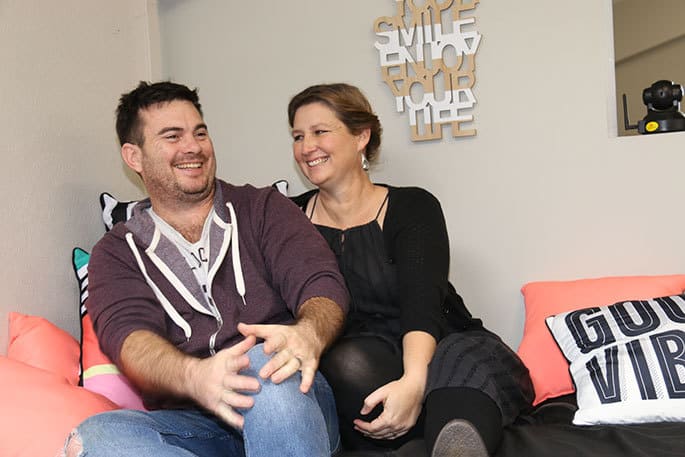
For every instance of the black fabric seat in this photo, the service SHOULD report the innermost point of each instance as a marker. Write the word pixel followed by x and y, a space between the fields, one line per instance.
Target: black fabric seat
pixel 548 432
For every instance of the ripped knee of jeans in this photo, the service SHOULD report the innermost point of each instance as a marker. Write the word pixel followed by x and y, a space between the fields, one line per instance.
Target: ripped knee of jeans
pixel 73 446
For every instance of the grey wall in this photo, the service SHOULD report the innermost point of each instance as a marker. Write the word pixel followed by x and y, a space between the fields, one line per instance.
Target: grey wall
pixel 63 66
pixel 544 191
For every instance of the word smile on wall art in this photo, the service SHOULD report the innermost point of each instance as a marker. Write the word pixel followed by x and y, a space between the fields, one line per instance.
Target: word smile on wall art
pixel 427 58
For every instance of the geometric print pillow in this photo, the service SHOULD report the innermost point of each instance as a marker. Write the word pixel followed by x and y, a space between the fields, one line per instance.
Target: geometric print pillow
pixel 627 360
pixel 114 211
pixel 281 186
pixel 97 372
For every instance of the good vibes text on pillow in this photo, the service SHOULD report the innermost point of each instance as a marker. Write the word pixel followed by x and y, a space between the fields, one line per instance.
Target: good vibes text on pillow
pixel 645 334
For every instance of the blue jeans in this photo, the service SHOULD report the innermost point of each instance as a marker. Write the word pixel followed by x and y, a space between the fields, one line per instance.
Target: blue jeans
pixel 282 422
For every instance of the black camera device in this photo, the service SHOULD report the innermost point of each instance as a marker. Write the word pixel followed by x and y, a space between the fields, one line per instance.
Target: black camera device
pixel 663 109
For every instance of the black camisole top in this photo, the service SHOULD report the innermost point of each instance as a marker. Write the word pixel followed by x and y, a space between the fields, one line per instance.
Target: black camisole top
pixel 370 276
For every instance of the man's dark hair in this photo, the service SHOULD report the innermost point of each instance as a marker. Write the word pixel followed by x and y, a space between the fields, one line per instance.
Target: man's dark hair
pixel 129 125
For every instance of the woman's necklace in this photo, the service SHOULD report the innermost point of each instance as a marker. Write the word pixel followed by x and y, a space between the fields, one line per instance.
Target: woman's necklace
pixel 362 212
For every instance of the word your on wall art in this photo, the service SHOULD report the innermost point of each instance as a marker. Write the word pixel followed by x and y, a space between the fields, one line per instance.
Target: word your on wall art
pixel 427 56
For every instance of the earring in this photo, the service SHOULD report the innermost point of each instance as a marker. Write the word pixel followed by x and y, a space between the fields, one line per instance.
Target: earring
pixel 365 162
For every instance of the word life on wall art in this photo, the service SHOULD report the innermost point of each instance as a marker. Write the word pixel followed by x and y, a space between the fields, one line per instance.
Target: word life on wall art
pixel 428 59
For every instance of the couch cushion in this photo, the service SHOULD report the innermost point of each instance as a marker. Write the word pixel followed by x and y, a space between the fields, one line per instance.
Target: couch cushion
pixel 567 440
pixel 98 372
pixel 39 409
pixel 38 342
pixel 548 367
pixel 627 360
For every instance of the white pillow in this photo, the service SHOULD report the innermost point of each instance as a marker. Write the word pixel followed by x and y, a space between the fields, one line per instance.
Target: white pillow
pixel 627 360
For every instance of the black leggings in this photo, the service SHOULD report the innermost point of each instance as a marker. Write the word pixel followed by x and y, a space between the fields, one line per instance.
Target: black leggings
pixel 358 365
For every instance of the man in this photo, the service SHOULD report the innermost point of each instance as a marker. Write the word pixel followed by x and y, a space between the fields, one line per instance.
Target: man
pixel 181 293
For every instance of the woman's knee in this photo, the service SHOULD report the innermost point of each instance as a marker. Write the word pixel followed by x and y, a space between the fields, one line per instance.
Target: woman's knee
pixel 367 362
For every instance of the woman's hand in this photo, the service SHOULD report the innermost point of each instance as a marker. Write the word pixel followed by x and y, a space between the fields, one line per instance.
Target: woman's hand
pixel 402 401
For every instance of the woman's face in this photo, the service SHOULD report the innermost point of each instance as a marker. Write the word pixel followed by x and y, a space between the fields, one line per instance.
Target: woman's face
pixel 323 147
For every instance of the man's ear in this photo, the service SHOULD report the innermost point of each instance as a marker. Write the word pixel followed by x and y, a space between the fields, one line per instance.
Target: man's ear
pixel 132 156
pixel 363 139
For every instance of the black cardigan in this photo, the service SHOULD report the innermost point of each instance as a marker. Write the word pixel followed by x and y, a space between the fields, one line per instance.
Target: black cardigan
pixel 417 242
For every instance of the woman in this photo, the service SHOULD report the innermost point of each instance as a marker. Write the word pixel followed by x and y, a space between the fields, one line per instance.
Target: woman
pixel 411 361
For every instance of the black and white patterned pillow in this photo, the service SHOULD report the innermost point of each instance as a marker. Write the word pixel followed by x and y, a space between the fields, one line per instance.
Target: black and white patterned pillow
pixel 627 360
pixel 114 211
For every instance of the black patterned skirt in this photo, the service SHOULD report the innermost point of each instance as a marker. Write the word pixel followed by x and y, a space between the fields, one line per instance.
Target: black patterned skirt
pixel 480 360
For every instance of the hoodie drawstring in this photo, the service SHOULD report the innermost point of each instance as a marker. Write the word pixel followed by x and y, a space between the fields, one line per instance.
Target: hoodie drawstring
pixel 168 307
pixel 235 253
pixel 237 272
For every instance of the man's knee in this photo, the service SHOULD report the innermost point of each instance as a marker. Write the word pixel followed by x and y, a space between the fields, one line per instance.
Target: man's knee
pixel 282 398
pixel 257 359
pixel 73 446
pixel 112 427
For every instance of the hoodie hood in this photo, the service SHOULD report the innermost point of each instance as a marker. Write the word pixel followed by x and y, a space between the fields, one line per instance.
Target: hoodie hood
pixel 144 234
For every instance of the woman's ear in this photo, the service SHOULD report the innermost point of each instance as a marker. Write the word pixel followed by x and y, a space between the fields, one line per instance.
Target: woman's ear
pixel 363 139
pixel 132 156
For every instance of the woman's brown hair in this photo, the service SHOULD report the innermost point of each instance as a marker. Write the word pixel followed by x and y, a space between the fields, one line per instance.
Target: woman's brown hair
pixel 349 105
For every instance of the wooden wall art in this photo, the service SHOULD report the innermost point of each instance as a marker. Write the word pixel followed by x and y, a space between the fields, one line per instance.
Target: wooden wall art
pixel 427 57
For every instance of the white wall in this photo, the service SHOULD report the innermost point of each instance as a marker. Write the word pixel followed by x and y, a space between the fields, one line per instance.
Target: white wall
pixel 544 191
pixel 64 65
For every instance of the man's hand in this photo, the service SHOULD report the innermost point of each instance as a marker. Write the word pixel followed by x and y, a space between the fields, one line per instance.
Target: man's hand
pixel 295 347
pixel 158 368
pixel 215 384
pixel 298 346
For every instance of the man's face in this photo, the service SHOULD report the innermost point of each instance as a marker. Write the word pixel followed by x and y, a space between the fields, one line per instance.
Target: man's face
pixel 176 159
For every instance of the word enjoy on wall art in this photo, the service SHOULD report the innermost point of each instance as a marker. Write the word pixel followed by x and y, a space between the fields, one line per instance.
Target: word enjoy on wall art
pixel 427 57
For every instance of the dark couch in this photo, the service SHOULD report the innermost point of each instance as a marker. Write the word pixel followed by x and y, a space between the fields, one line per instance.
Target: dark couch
pixel 548 432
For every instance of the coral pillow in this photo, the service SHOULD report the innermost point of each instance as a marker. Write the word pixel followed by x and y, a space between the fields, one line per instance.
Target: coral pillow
pixel 98 373
pixel 101 375
pixel 549 369
pixel 40 343
pixel 39 409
